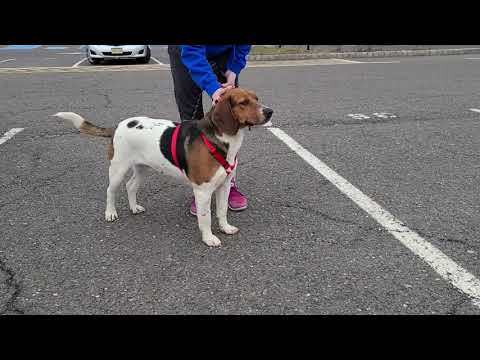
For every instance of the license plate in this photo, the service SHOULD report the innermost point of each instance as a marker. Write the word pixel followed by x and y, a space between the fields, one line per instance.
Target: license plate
pixel 117 51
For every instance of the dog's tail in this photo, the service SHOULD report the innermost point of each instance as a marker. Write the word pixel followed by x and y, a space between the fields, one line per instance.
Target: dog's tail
pixel 85 126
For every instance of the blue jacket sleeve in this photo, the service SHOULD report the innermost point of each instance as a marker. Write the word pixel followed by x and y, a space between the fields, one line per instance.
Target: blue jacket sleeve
pixel 195 59
pixel 238 59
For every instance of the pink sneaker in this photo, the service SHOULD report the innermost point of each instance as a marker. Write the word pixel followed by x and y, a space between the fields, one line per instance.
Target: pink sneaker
pixel 236 200
pixel 193 207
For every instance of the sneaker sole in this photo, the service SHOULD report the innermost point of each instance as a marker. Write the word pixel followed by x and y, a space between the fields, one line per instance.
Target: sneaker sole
pixel 238 209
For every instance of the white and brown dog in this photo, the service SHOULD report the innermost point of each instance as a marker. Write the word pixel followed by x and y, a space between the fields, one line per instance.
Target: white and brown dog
pixel 202 152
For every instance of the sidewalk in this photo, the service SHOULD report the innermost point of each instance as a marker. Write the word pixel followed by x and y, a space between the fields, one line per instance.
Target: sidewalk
pixel 316 54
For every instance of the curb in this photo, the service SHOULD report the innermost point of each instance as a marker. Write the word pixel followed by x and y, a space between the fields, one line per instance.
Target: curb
pixel 364 54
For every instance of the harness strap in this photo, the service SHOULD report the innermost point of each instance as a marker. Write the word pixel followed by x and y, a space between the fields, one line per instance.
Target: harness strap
pixel 213 150
pixel 174 146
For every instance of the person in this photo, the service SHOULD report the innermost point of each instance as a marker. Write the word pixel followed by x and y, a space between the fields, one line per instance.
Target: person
pixel 213 69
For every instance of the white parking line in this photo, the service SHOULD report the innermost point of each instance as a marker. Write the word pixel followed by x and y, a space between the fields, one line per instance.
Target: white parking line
pixel 441 263
pixel 4 61
pixel 158 62
pixel 9 134
pixel 347 61
pixel 70 53
pixel 472 58
pixel 79 62
pixel 367 62
pixel 476 110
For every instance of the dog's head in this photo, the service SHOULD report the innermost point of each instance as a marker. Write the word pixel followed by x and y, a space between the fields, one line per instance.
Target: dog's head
pixel 239 108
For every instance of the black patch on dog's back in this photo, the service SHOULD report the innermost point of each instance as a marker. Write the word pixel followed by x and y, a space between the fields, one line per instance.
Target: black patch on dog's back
pixel 132 123
pixel 188 129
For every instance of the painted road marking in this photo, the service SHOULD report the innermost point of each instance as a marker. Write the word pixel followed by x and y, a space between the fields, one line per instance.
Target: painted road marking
pixel 367 62
pixel 70 53
pixel 347 61
pixel 4 61
pixel 78 63
pixel 359 116
pixel 9 134
pixel 438 261
pixel 472 58
pixel 382 115
pixel 20 47
pixel 380 62
pixel 476 110
pixel 56 47
pixel 83 69
pixel 156 60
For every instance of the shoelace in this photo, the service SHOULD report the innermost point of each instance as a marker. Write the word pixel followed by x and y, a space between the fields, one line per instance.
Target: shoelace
pixel 234 186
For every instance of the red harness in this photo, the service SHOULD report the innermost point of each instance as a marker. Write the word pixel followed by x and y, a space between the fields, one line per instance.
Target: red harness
pixel 213 150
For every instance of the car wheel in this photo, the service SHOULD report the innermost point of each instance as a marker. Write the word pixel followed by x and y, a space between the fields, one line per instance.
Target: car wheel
pixel 92 60
pixel 146 59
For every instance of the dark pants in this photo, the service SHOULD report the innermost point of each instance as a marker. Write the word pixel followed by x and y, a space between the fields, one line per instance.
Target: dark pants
pixel 188 95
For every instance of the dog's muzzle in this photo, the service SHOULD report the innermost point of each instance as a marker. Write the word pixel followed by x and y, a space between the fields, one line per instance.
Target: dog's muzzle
pixel 267 112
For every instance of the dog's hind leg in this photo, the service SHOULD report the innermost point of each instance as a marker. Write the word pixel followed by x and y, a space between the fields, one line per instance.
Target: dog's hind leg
pixel 116 173
pixel 139 172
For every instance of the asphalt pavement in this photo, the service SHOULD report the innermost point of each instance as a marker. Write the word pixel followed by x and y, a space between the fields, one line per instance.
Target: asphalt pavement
pixel 404 131
pixel 24 56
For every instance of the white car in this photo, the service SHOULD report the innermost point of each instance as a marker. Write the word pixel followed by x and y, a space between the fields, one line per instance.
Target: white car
pixel 96 53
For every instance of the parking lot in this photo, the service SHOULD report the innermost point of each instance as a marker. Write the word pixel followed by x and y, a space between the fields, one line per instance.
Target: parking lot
pixel 27 56
pixel 363 195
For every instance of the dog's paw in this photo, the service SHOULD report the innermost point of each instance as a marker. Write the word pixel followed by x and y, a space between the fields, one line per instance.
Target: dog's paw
pixel 229 229
pixel 212 240
pixel 111 216
pixel 138 209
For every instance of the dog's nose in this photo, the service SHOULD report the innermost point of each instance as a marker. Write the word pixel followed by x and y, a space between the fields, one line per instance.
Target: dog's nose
pixel 268 113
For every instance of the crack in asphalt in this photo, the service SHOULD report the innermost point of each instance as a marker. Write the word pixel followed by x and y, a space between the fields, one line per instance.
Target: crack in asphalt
pixel 456 152
pixel 337 220
pixel 448 239
pixel 15 286
pixel 456 306
pixel 329 217
pixel 14 114
pixel 319 123
pixel 48 135
pixel 108 100
pixel 43 182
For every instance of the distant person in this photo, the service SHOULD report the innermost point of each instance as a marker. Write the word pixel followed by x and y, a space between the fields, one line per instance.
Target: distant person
pixel 210 68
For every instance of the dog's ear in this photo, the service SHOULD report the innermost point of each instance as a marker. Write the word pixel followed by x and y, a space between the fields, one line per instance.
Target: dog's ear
pixel 223 117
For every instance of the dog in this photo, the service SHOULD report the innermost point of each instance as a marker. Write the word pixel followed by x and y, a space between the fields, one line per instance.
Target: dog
pixel 203 153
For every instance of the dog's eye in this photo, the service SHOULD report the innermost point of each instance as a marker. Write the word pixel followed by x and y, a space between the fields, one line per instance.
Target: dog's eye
pixel 244 102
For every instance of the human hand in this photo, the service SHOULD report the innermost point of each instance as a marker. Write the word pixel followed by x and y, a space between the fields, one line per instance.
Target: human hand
pixel 231 76
pixel 218 94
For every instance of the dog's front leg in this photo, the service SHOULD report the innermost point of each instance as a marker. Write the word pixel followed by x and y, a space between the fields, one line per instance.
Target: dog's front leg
pixel 221 197
pixel 203 200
